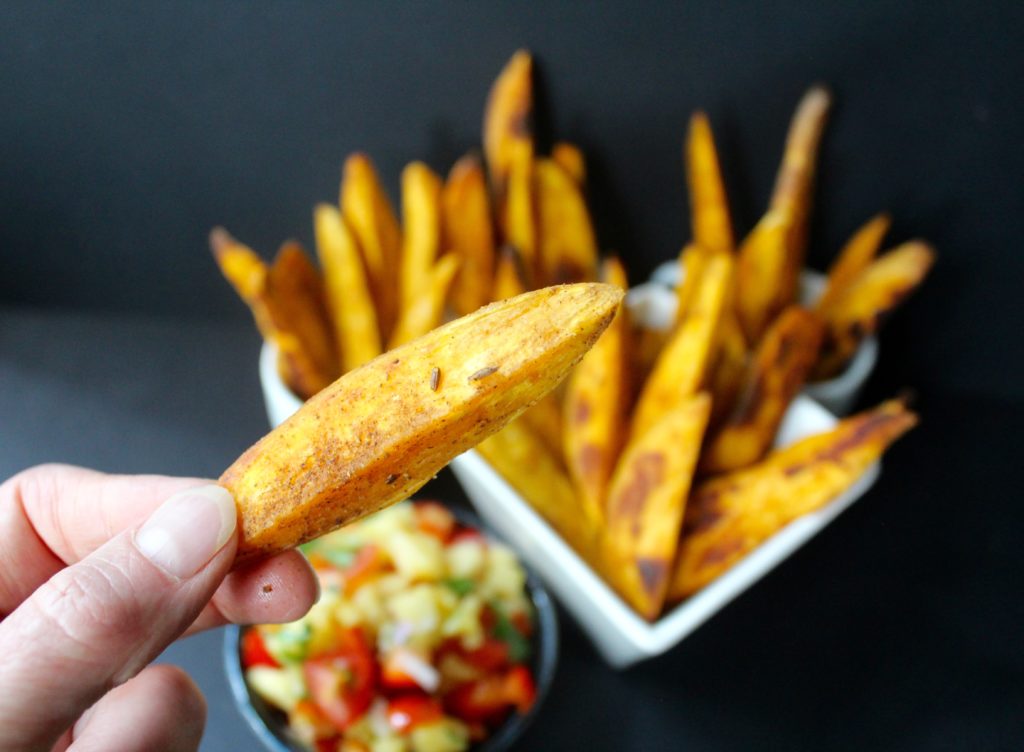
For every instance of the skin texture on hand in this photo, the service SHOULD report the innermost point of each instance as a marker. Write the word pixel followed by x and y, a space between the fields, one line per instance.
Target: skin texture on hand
pixel 95 583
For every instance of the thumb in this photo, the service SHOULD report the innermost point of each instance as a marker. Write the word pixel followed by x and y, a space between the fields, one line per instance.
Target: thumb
pixel 96 624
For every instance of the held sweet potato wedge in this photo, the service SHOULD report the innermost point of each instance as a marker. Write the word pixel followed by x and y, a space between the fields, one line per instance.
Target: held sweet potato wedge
pixel 730 515
pixel 709 208
pixel 646 500
pixel 468 232
pixel 380 432
pixel 778 371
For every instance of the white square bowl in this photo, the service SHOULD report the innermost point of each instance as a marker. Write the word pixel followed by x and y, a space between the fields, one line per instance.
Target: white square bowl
pixel 621 636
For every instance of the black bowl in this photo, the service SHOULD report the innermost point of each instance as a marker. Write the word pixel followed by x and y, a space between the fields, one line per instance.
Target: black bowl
pixel 270 724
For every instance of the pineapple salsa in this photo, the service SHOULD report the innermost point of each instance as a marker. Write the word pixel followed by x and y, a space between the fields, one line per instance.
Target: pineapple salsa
pixel 419 641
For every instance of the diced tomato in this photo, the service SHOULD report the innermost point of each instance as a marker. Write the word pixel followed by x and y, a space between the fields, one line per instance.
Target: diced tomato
pixel 409 711
pixel 468 535
pixel 342 683
pixel 490 698
pixel 522 621
pixel 254 651
pixel 369 562
pixel 327 745
pixel 490 656
pixel 433 519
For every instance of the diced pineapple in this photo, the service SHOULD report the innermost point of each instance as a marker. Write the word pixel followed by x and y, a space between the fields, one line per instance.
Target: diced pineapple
pixel 389 744
pixel 447 735
pixel 503 575
pixel 281 687
pixel 381 526
pixel 416 557
pixel 465 559
pixel 368 603
pixel 464 622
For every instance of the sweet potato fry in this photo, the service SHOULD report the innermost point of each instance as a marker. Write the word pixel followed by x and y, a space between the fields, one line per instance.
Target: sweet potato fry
pixel 426 310
pixel 276 319
pixel 510 276
pixel 646 501
pixel 508 122
pixel 596 400
pixel 709 208
pixel 469 233
pixel 783 360
pixel 730 515
pixel 762 266
pixel 298 289
pixel 683 363
pixel 522 458
pixel 691 265
pixel 381 431
pixel 868 299
pixel 729 369
pixel 853 259
pixel 791 196
pixel 771 257
pixel 567 246
pixel 520 217
pixel 369 214
pixel 348 292
pixel 570 158
pixel 545 420
pixel 421 230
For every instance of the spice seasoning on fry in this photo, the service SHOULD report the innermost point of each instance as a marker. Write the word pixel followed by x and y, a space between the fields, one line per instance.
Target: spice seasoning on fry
pixel 435 378
pixel 483 372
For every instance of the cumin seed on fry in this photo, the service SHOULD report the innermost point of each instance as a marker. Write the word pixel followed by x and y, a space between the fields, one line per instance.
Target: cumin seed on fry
pixel 483 372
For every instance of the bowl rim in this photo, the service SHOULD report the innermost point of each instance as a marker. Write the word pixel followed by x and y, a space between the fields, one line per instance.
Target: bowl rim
pixel 545 642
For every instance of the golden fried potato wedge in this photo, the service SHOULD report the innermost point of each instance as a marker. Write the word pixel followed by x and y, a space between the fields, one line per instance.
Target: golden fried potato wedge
pixel 858 252
pixel 521 219
pixel 691 265
pixel 682 366
pixel 545 420
pixel 596 399
pixel 510 276
pixel 709 208
pixel 380 432
pixel 508 122
pixel 729 516
pixel 349 298
pixel 792 194
pixel 421 230
pixel 646 501
pixel 369 214
pixel 523 459
pixel 468 231
pixel 426 310
pixel 275 318
pixel 858 312
pixel 570 158
pixel 762 267
pixel 729 369
pixel 298 289
pixel 780 366
pixel 567 246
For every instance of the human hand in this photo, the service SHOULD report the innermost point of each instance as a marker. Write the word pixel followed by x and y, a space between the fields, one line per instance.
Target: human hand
pixel 98 574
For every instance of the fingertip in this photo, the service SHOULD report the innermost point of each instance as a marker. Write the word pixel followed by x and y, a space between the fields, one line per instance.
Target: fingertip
pixel 275 590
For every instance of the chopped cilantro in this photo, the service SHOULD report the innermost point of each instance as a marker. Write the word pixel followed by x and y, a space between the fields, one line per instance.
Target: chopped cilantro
pixel 460 585
pixel 507 632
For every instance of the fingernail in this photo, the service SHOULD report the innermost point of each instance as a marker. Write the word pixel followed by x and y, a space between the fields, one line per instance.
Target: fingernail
pixel 184 533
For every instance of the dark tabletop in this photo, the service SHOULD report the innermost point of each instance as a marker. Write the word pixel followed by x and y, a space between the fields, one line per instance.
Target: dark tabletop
pixel 899 627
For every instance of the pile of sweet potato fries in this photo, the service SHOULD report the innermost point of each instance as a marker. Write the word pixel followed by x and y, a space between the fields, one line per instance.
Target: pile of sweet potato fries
pixel 654 461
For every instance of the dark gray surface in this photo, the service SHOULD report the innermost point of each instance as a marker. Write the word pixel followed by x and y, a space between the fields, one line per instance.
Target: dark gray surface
pixel 897 628
pixel 130 129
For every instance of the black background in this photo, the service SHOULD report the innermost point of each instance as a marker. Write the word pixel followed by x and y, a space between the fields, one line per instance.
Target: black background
pixel 128 130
